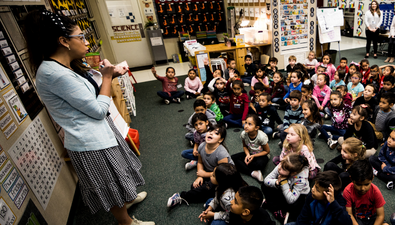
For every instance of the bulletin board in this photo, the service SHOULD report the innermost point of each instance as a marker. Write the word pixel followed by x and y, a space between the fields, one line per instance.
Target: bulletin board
pixel 294 26
pixel 195 15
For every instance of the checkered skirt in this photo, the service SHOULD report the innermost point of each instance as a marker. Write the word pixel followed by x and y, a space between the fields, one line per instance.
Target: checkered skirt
pixel 108 177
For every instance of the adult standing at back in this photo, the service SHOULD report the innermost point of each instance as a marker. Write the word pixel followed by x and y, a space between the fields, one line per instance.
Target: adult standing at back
pixel 107 169
pixel 373 20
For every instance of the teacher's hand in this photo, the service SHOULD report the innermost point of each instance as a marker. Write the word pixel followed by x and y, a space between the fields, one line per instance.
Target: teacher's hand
pixel 106 69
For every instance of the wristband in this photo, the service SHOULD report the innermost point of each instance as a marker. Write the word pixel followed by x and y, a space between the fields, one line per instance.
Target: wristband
pixel 283 182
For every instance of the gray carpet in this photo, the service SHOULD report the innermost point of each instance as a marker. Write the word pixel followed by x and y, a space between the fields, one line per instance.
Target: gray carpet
pixel 162 139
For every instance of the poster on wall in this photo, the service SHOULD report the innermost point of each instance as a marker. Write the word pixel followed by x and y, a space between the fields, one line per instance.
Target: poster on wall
pixel 294 26
pixel 15 105
pixel 7 216
pixel 37 159
pixel 4 82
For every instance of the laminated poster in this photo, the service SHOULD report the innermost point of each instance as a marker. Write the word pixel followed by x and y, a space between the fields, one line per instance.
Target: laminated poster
pixel 4 82
pixel 38 161
pixel 7 216
pixel 15 105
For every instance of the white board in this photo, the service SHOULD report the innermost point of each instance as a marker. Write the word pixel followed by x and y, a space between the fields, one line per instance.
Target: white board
pixel 329 17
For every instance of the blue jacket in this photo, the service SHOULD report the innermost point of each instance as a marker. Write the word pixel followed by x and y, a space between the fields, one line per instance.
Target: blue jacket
pixel 71 101
pixel 292 88
pixel 336 213
pixel 387 156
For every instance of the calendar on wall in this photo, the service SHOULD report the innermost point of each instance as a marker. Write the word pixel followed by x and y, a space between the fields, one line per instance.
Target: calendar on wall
pixel 36 158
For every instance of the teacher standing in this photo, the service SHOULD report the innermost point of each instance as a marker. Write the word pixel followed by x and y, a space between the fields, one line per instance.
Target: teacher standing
pixel 373 20
pixel 108 171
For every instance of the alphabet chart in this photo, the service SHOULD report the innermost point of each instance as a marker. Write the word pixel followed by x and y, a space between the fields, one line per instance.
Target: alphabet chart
pixel 36 158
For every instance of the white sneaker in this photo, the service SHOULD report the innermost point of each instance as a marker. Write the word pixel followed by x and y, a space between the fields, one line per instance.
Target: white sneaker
pixel 190 165
pixel 276 134
pixel 140 197
pixel 332 143
pixel 257 174
pixel 139 222
pixel 175 199
pixel 375 172
pixel 390 185
pixel 167 102
pixel 178 100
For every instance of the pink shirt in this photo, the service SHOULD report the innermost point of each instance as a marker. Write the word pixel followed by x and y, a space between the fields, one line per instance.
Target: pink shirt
pixel 306 153
pixel 321 95
pixel 330 70
pixel 194 85
pixel 254 81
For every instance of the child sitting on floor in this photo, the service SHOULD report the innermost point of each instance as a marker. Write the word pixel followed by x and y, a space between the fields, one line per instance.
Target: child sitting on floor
pixel 193 85
pixel 267 113
pixel 365 203
pixel 325 204
pixel 287 186
pixel 252 161
pixel 384 164
pixel 169 91
pixel 246 208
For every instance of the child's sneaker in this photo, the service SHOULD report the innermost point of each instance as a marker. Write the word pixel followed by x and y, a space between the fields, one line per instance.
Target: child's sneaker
pixel 190 165
pixel 280 144
pixel 191 143
pixel 276 134
pixel 167 102
pixel 257 174
pixel 174 200
pixel 390 185
pixel 178 100
pixel 375 172
pixel 331 143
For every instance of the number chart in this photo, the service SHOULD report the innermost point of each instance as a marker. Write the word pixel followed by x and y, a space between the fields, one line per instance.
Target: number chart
pixel 36 158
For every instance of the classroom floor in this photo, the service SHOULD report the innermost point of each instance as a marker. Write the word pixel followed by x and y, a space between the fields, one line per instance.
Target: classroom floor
pixel 161 129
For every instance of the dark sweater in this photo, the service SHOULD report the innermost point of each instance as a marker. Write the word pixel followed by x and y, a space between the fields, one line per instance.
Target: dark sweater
pixel 276 92
pixel 259 218
pixel 365 134
pixel 250 69
pixel 382 91
pixel 389 123
pixel 337 210
pixel 268 115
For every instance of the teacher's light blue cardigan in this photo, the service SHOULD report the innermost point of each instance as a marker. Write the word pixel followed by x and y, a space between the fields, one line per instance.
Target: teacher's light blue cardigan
pixel 71 101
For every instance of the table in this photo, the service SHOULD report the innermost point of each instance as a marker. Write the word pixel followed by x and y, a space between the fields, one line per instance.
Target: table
pixel 240 52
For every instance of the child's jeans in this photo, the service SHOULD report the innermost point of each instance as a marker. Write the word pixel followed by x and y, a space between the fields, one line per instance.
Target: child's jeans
pixel 189 136
pixel 267 130
pixel 246 79
pixel 214 222
pixel 275 100
pixel 234 119
pixel 173 94
pixel 188 154
pixel 326 128
pixel 328 111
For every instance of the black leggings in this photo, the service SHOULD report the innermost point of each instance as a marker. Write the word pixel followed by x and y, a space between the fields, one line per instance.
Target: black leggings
pixel 391 47
pixel 258 163
pixel 376 163
pixel 276 201
pixel 371 36
pixel 200 194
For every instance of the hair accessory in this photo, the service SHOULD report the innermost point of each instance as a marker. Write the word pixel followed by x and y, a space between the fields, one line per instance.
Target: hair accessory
pixel 55 19
pixel 364 106
pixel 357 64
pixel 238 79
pixel 363 146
